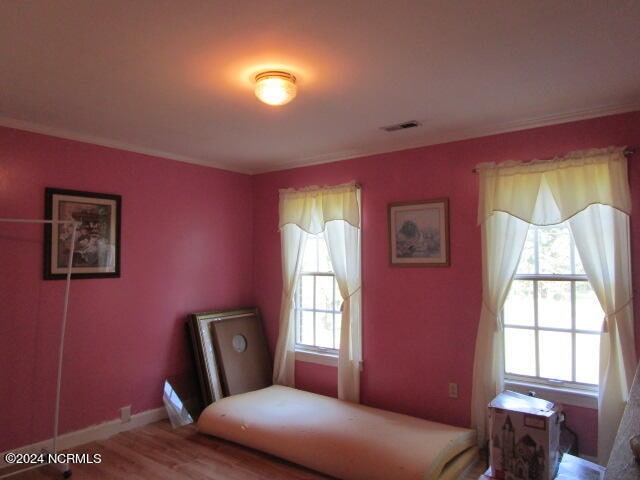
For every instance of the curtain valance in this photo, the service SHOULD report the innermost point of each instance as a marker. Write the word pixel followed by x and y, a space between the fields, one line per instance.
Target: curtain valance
pixel 312 207
pixel 336 212
pixel 552 191
pixel 589 190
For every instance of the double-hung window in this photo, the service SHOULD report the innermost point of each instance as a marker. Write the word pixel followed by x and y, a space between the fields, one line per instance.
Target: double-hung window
pixel 321 301
pixel 551 321
pixel 552 318
pixel 317 301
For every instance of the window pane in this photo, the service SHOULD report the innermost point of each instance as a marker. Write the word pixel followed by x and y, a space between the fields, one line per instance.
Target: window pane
pixel 305 330
pixel 589 314
pixel 543 305
pixel 310 257
pixel 337 304
pixel 579 269
pixel 324 330
pixel 324 263
pixel 587 357
pixel 554 250
pixel 317 297
pixel 336 334
pixel 554 304
pixel 527 257
pixel 306 291
pixel 324 292
pixel 555 355
pixel 518 308
pixel 519 351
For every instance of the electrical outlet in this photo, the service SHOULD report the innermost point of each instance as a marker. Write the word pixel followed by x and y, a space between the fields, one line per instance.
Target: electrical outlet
pixel 125 414
pixel 453 390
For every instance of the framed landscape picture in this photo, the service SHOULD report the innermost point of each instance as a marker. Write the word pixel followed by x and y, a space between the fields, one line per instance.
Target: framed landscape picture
pixel 419 233
pixel 96 249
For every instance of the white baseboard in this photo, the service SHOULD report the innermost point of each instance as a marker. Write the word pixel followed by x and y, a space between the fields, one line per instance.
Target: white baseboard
pixel 93 433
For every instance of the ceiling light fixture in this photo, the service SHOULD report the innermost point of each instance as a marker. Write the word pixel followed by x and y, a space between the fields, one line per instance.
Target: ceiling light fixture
pixel 275 87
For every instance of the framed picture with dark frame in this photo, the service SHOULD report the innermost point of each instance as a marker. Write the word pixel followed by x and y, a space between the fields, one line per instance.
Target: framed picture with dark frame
pixel 419 233
pixel 96 249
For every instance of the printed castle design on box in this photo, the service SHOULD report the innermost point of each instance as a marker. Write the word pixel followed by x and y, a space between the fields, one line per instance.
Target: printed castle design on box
pixel 521 460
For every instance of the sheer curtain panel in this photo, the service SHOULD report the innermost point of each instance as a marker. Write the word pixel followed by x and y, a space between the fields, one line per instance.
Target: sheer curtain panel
pixel 590 189
pixel 336 212
pixel 601 235
pixel 343 242
pixel 503 237
pixel 292 241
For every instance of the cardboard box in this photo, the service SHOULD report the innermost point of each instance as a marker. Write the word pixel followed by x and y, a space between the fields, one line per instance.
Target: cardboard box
pixel 571 468
pixel 524 435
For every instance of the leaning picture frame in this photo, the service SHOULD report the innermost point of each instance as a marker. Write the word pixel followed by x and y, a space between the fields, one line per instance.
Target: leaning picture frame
pixel 231 354
pixel 419 233
pixel 96 252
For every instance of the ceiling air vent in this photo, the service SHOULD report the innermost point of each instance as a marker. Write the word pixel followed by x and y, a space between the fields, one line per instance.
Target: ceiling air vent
pixel 401 126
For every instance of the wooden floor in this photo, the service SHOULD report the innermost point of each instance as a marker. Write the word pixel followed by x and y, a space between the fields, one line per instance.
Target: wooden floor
pixel 157 451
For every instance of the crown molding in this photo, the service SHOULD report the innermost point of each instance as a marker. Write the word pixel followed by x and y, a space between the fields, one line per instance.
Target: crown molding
pixel 105 142
pixel 455 135
pixel 452 135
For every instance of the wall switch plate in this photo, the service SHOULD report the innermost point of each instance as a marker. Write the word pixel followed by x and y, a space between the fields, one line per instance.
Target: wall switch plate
pixel 453 390
pixel 125 414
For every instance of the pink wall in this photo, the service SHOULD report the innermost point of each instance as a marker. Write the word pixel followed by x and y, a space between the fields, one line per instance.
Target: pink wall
pixel 195 238
pixel 186 246
pixel 419 324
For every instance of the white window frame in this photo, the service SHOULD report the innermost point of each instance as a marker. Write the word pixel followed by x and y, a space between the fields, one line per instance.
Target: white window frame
pixel 567 392
pixel 315 353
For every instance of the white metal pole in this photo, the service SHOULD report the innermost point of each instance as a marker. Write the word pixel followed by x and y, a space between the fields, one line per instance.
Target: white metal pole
pixel 62 335
pixel 65 467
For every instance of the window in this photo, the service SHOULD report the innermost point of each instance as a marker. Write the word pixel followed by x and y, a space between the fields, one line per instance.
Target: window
pixel 552 318
pixel 317 301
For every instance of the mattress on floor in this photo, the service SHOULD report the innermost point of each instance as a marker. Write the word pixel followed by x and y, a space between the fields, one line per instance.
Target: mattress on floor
pixel 341 439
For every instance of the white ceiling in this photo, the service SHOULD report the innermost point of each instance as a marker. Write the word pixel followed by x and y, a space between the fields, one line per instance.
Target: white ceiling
pixel 174 78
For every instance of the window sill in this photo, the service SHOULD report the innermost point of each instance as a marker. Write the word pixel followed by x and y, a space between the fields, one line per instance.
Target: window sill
pixel 320 358
pixel 564 396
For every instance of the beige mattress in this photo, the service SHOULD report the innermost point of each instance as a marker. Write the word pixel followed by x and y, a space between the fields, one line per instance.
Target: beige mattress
pixel 341 439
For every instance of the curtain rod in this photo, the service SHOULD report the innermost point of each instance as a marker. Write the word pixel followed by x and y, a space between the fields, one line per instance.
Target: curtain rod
pixel 628 152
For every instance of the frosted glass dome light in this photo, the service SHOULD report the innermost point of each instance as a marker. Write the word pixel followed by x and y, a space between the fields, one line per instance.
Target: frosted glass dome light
pixel 275 87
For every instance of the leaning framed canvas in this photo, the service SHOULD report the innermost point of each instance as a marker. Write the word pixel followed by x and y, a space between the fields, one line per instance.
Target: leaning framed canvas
pixel 96 252
pixel 230 351
pixel 419 233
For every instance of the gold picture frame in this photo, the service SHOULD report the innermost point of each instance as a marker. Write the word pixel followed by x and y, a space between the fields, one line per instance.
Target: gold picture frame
pixel 230 351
